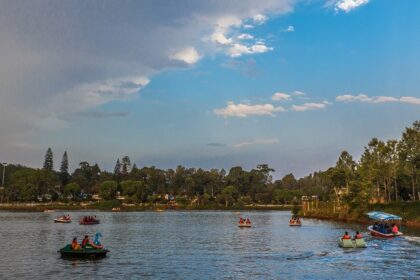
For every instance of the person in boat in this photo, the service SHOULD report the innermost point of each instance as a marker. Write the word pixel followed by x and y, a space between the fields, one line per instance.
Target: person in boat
pixel 241 220
pixel 248 221
pixel 387 228
pixel 358 235
pixel 298 220
pixel 75 245
pixel 85 241
pixel 346 236
pixel 395 229
pixel 375 226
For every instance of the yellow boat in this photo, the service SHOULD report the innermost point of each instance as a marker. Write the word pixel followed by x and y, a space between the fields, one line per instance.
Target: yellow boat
pixel 244 225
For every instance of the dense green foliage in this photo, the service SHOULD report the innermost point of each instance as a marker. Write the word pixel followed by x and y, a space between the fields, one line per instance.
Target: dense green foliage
pixel 386 172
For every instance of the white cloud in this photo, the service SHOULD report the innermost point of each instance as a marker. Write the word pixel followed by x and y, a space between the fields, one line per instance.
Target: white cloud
pixel 290 28
pixel 348 5
pixel 280 96
pixel 310 106
pixel 298 93
pixel 248 26
pixel 353 98
pixel 238 49
pixel 220 38
pixel 245 36
pixel 378 99
pixel 234 45
pixel 259 19
pixel 256 142
pixel 244 110
pixel 260 48
pixel 188 55
pixel 384 99
pixel 95 94
pixel 410 100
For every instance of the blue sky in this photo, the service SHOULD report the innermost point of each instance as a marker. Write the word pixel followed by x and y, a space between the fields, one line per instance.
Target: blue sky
pixel 206 84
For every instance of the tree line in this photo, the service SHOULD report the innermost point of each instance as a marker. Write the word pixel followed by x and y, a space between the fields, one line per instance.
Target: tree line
pixel 387 171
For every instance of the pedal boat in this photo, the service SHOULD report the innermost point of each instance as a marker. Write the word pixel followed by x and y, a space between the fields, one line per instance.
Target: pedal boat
pixel 352 243
pixel 84 253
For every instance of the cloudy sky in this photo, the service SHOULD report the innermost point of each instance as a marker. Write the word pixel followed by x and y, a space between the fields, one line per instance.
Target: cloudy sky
pixel 209 84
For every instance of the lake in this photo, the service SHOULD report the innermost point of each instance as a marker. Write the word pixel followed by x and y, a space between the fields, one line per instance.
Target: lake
pixel 200 245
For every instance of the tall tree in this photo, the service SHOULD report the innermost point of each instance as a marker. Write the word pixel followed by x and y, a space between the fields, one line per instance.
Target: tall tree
pixel 117 170
pixel 126 166
pixel 48 161
pixel 409 153
pixel 64 169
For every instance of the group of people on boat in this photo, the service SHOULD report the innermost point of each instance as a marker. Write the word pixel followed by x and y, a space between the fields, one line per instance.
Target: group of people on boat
pixel 295 220
pixel 385 228
pixel 358 235
pixel 86 241
pixel 243 221
pixel 89 219
pixel 65 217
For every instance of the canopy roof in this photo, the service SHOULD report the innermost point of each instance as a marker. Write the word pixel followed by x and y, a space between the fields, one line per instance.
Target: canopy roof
pixel 382 216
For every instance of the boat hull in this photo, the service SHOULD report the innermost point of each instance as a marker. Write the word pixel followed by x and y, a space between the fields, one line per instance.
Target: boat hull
pixel 383 235
pixel 67 252
pixel 62 221
pixel 352 243
pixel 244 225
pixel 295 224
pixel 89 223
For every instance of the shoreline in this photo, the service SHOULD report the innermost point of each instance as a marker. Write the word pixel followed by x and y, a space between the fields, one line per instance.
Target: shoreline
pixel 41 207
pixel 61 206
pixel 360 220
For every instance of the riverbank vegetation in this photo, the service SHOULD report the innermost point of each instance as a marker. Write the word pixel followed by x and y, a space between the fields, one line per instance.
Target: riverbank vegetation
pixel 386 175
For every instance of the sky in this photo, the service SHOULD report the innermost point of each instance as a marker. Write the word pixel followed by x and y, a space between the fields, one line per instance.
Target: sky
pixel 210 84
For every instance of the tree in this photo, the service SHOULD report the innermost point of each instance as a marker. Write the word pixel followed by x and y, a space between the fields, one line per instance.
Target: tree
pixel 117 170
pixel 64 169
pixel 128 187
pixel 289 181
pixel 48 161
pixel 409 154
pixel 72 189
pixel 126 166
pixel 346 166
pixel 229 195
pixel 108 190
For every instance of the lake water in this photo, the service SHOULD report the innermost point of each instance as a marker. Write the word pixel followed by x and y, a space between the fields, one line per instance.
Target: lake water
pixel 200 245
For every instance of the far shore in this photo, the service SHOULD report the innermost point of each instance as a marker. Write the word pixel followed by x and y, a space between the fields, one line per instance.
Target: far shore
pixel 61 206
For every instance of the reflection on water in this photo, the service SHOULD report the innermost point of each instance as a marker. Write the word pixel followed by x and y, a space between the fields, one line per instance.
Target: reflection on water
pixel 200 245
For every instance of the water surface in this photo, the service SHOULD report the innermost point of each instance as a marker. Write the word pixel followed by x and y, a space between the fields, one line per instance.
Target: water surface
pixel 200 245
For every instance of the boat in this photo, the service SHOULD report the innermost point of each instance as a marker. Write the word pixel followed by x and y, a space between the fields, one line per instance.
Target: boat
pixel 378 233
pixel 85 253
pixel 383 218
pixel 159 210
pixel 295 224
pixel 352 243
pixel 244 225
pixel 89 221
pixel 63 220
pixel 116 209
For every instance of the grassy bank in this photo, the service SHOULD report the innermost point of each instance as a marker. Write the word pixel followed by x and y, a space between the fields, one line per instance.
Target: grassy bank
pixel 409 211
